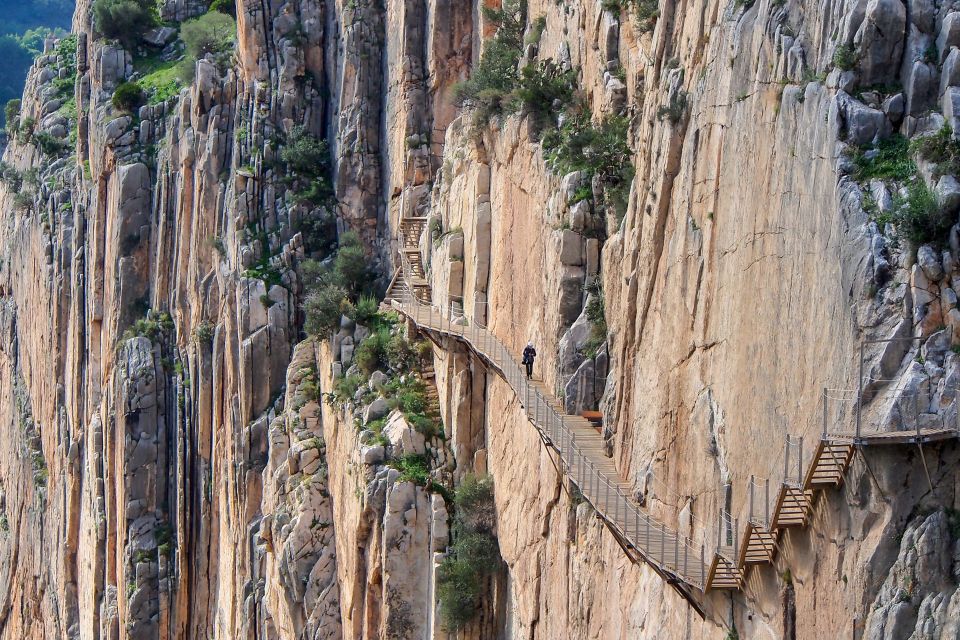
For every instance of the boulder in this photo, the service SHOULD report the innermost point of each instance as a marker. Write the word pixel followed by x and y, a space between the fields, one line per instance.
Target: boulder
pixel 404 439
pixel 863 124
pixel 920 84
pixel 950 72
pixel 571 344
pixel 372 455
pixel 949 35
pixel 570 294
pixel 894 107
pixel 376 410
pixel 570 247
pixel 439 519
pixel 580 216
pixel 948 192
pixel 159 36
pixel 378 380
pixel 950 104
pixel 879 40
pixel 929 261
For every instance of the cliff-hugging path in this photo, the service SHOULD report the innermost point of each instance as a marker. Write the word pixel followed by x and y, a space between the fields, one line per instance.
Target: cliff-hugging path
pixel 677 558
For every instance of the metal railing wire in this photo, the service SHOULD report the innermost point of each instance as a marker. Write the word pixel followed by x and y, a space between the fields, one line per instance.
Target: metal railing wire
pixel 668 550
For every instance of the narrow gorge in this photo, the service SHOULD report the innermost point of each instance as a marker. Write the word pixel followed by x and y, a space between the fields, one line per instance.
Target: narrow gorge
pixel 268 269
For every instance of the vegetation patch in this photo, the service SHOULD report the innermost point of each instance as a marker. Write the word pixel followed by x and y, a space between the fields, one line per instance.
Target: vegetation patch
pixel 474 555
pixel 889 160
pixel 597 317
pixel 844 58
pixel 334 289
pixel 124 20
pixel 413 468
pixel 159 79
pixel 153 326
pixel 941 149
pixel 127 97
pixel 213 33
pixel 600 150
pixel 919 216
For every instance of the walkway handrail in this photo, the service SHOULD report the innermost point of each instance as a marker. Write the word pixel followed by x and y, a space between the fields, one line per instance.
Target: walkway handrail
pixel 668 550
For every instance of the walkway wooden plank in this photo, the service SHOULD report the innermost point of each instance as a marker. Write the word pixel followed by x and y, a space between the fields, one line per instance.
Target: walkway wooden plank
pixel 582 449
pixel 583 453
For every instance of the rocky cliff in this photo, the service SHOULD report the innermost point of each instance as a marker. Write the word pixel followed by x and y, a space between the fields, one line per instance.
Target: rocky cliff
pixel 696 210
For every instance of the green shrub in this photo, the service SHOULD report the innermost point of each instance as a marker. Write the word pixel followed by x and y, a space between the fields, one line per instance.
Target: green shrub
pixel 11 177
pixel 600 150
pixel 48 144
pixel 303 152
pixel 647 12
pixel 371 354
pixel 308 160
pixel 400 354
pixel 366 310
pixel 844 58
pixel 474 554
pixel 412 401
pixel 891 161
pixel 459 589
pixel 350 265
pixel 919 216
pixel 495 76
pixel 347 387
pixel 324 307
pixel 204 332
pixel 542 90
pixel 154 326
pixel 224 6
pixel 11 114
pixel 413 467
pixel 128 96
pixel 124 20
pixel 474 503
pixel 941 149
pixel 211 33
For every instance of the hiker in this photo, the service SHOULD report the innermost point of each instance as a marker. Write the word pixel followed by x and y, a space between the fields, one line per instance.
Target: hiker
pixel 528 355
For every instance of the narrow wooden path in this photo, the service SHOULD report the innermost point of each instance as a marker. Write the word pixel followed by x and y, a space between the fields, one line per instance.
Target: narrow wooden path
pixel 772 507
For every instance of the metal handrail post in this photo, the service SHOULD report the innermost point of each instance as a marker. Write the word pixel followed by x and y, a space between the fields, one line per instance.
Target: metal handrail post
pixel 766 502
pixel 703 564
pixel 916 416
pixel 800 461
pixel 860 393
pixel 676 551
pixel 750 517
pixel 824 436
pixel 786 460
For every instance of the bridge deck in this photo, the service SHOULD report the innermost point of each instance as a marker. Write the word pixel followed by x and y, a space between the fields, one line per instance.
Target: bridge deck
pixel 583 454
pixel 582 450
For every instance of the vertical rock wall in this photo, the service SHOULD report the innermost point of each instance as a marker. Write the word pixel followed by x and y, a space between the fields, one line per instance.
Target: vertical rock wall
pixel 171 470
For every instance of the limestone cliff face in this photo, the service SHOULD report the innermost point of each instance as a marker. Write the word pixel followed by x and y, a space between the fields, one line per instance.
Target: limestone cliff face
pixel 180 460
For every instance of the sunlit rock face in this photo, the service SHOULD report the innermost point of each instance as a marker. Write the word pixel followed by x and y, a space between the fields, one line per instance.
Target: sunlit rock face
pixel 760 187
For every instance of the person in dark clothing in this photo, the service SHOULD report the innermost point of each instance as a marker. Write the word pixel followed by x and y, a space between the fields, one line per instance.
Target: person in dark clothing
pixel 528 355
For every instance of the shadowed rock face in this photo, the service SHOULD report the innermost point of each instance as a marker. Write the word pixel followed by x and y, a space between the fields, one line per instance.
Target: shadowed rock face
pixel 169 468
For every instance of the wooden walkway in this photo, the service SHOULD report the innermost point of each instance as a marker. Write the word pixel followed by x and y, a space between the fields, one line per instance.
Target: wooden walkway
pixel 581 448
pixel 772 507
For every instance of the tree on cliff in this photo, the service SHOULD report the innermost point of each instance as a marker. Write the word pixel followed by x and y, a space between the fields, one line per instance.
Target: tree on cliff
pixel 124 20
